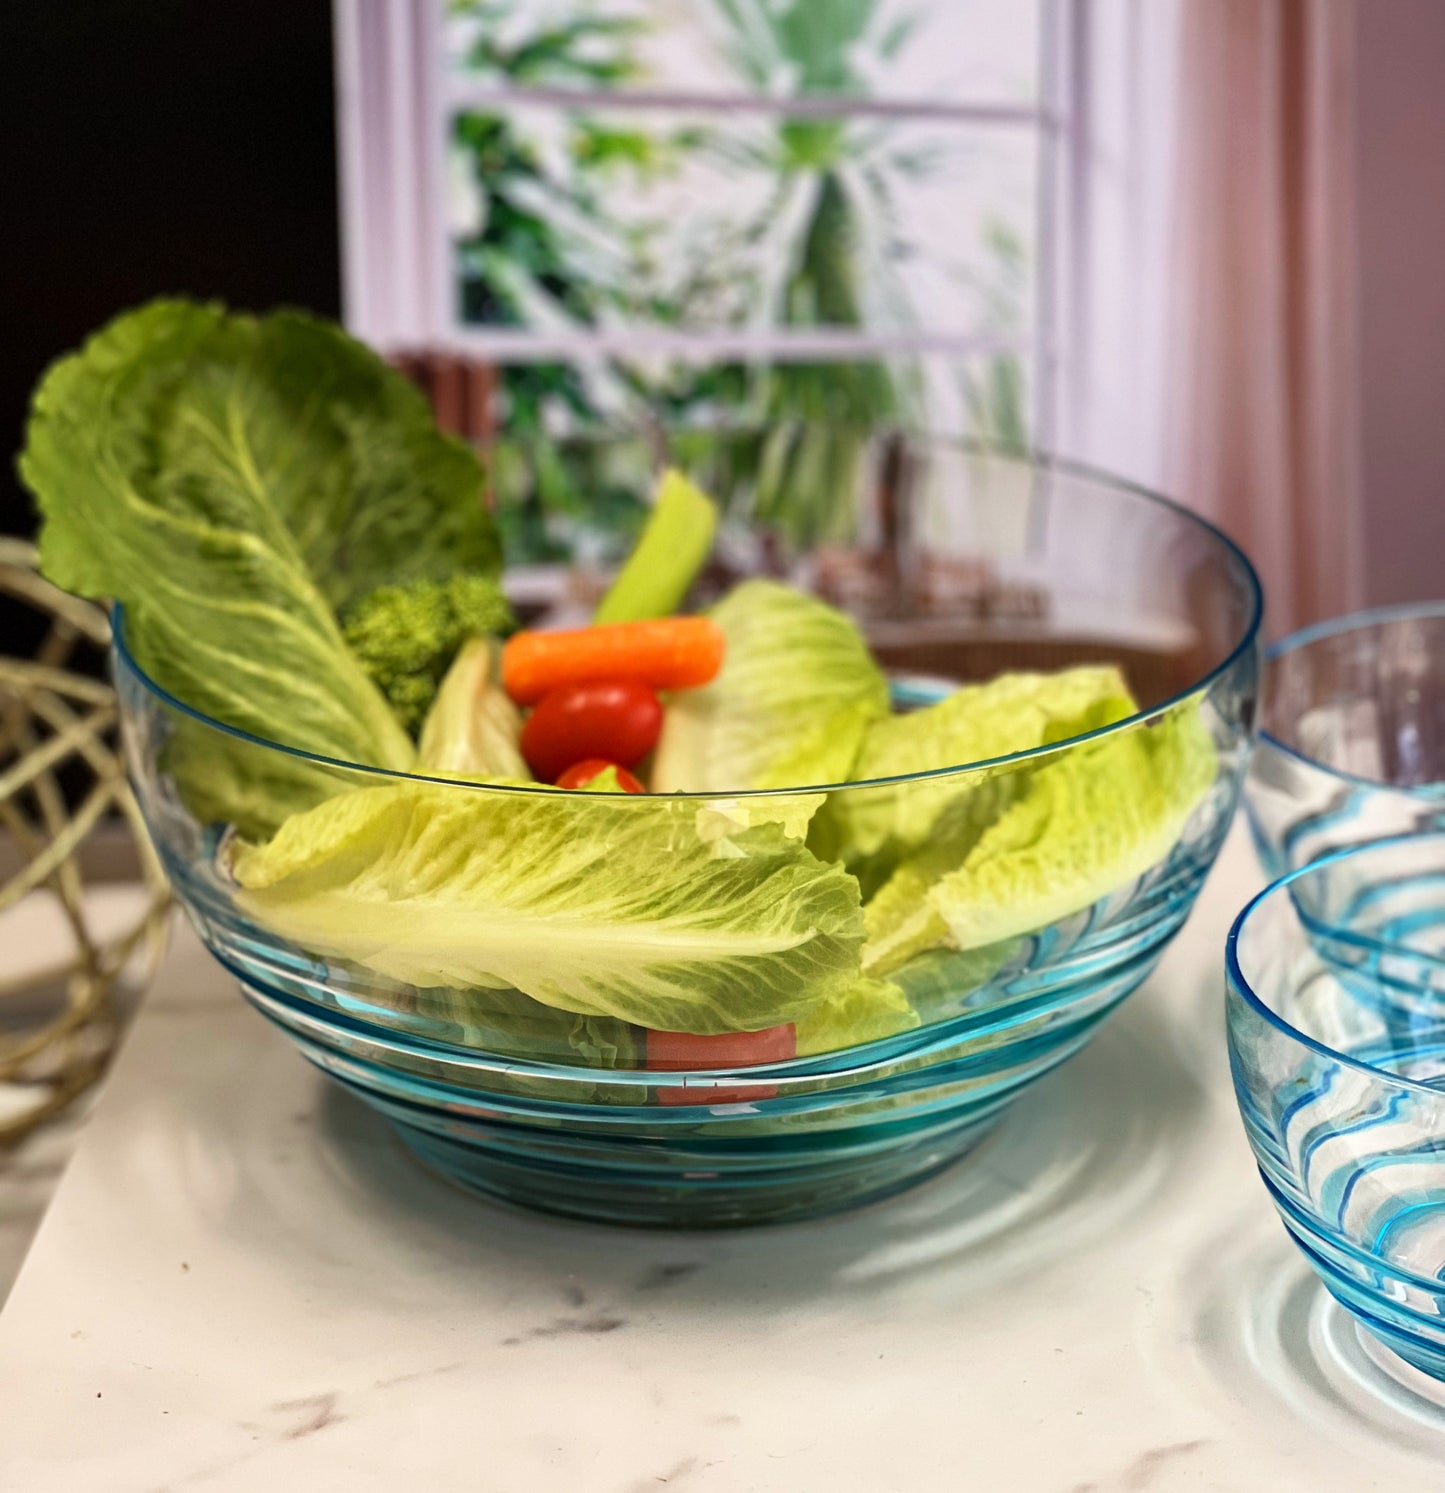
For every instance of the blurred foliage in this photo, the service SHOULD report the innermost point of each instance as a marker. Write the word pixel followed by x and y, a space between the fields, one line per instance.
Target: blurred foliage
pixel 841 253
pixel 809 46
pixel 541 250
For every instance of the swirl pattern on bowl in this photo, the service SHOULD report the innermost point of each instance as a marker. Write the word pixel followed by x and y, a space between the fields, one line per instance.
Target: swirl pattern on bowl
pixel 1352 736
pixel 1336 998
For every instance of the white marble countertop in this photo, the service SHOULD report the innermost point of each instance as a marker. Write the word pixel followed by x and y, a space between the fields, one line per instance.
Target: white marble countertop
pixel 244 1283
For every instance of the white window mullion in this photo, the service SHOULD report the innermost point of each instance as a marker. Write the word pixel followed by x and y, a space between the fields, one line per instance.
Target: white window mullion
pixel 477 93
pixel 432 123
pixel 823 345
pixel 405 170
pixel 362 152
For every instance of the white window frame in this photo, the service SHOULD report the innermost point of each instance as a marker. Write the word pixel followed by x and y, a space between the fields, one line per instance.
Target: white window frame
pixel 1096 346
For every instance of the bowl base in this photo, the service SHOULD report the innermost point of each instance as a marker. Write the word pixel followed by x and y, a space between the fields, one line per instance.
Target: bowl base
pixel 1415 1368
pixel 686 1198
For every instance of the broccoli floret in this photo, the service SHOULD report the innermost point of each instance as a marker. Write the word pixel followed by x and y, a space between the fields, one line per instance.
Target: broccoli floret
pixel 406 636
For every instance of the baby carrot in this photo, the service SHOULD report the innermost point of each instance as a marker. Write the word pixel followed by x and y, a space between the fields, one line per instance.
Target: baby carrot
pixel 663 653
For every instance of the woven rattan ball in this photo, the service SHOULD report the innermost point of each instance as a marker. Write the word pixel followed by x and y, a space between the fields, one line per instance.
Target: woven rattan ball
pixel 63 800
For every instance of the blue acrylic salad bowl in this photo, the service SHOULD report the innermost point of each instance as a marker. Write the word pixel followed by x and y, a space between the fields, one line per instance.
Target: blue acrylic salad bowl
pixel 458 956
pixel 1352 735
pixel 1336 1003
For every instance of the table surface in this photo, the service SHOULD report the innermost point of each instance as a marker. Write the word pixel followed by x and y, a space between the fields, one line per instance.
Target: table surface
pixel 244 1283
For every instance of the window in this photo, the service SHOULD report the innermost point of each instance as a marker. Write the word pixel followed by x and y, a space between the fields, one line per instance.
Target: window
pixel 572 214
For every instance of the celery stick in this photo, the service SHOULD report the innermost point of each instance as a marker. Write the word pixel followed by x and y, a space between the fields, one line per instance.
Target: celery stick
pixel 668 556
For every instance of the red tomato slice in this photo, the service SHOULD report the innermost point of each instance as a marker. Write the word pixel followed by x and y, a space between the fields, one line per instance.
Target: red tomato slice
pixel 673 1052
pixel 582 773
pixel 615 720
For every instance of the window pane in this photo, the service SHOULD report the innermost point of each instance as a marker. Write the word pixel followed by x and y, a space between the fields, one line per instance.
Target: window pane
pixel 664 220
pixel 793 448
pixel 947 52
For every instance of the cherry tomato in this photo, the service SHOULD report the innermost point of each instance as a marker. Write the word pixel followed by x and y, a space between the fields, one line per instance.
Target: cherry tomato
pixel 673 1052
pixel 617 720
pixel 582 773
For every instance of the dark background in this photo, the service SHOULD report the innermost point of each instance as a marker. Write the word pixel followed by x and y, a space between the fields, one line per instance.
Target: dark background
pixel 149 147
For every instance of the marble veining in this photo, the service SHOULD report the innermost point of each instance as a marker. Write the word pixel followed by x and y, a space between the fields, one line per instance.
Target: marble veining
pixel 597 1323
pixel 1144 1471
pixel 672 1478
pixel 314 1414
pixel 669 1272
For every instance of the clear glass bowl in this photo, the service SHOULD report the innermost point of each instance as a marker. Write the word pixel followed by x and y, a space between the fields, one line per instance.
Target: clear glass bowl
pixel 1352 736
pixel 1027 566
pixel 1336 996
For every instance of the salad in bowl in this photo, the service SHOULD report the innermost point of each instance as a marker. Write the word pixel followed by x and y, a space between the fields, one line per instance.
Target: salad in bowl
pixel 686 906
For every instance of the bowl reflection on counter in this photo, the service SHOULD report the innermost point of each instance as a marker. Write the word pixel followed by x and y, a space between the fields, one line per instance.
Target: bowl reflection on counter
pixel 489 1086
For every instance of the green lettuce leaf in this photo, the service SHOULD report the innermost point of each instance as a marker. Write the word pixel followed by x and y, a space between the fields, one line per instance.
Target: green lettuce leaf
pixel 853 1011
pixel 227 780
pixel 233 481
pixel 871 829
pixel 946 982
pixel 472 728
pixel 720 818
pixel 506 1021
pixel 606 781
pixel 797 690
pixel 901 920
pixel 1086 823
pixel 600 905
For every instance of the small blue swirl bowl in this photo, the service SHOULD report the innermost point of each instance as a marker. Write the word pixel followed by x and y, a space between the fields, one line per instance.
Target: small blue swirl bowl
pixel 1033 566
pixel 1336 1007
pixel 1352 736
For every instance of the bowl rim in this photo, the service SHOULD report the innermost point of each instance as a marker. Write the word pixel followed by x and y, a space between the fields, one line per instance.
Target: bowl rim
pixel 1331 627
pixel 1240 986
pixel 1036 461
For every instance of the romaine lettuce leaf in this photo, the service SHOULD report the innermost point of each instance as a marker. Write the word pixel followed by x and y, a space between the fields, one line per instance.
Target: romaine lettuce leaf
pixel 943 983
pixel 606 781
pixel 599 905
pixel 853 1011
pixel 719 818
pixel 871 829
pixel 797 690
pixel 1085 824
pixel 508 1022
pixel 901 920
pixel 472 728
pixel 233 481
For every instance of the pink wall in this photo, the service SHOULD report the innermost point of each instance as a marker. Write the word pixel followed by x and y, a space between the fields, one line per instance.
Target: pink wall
pixel 1401 132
